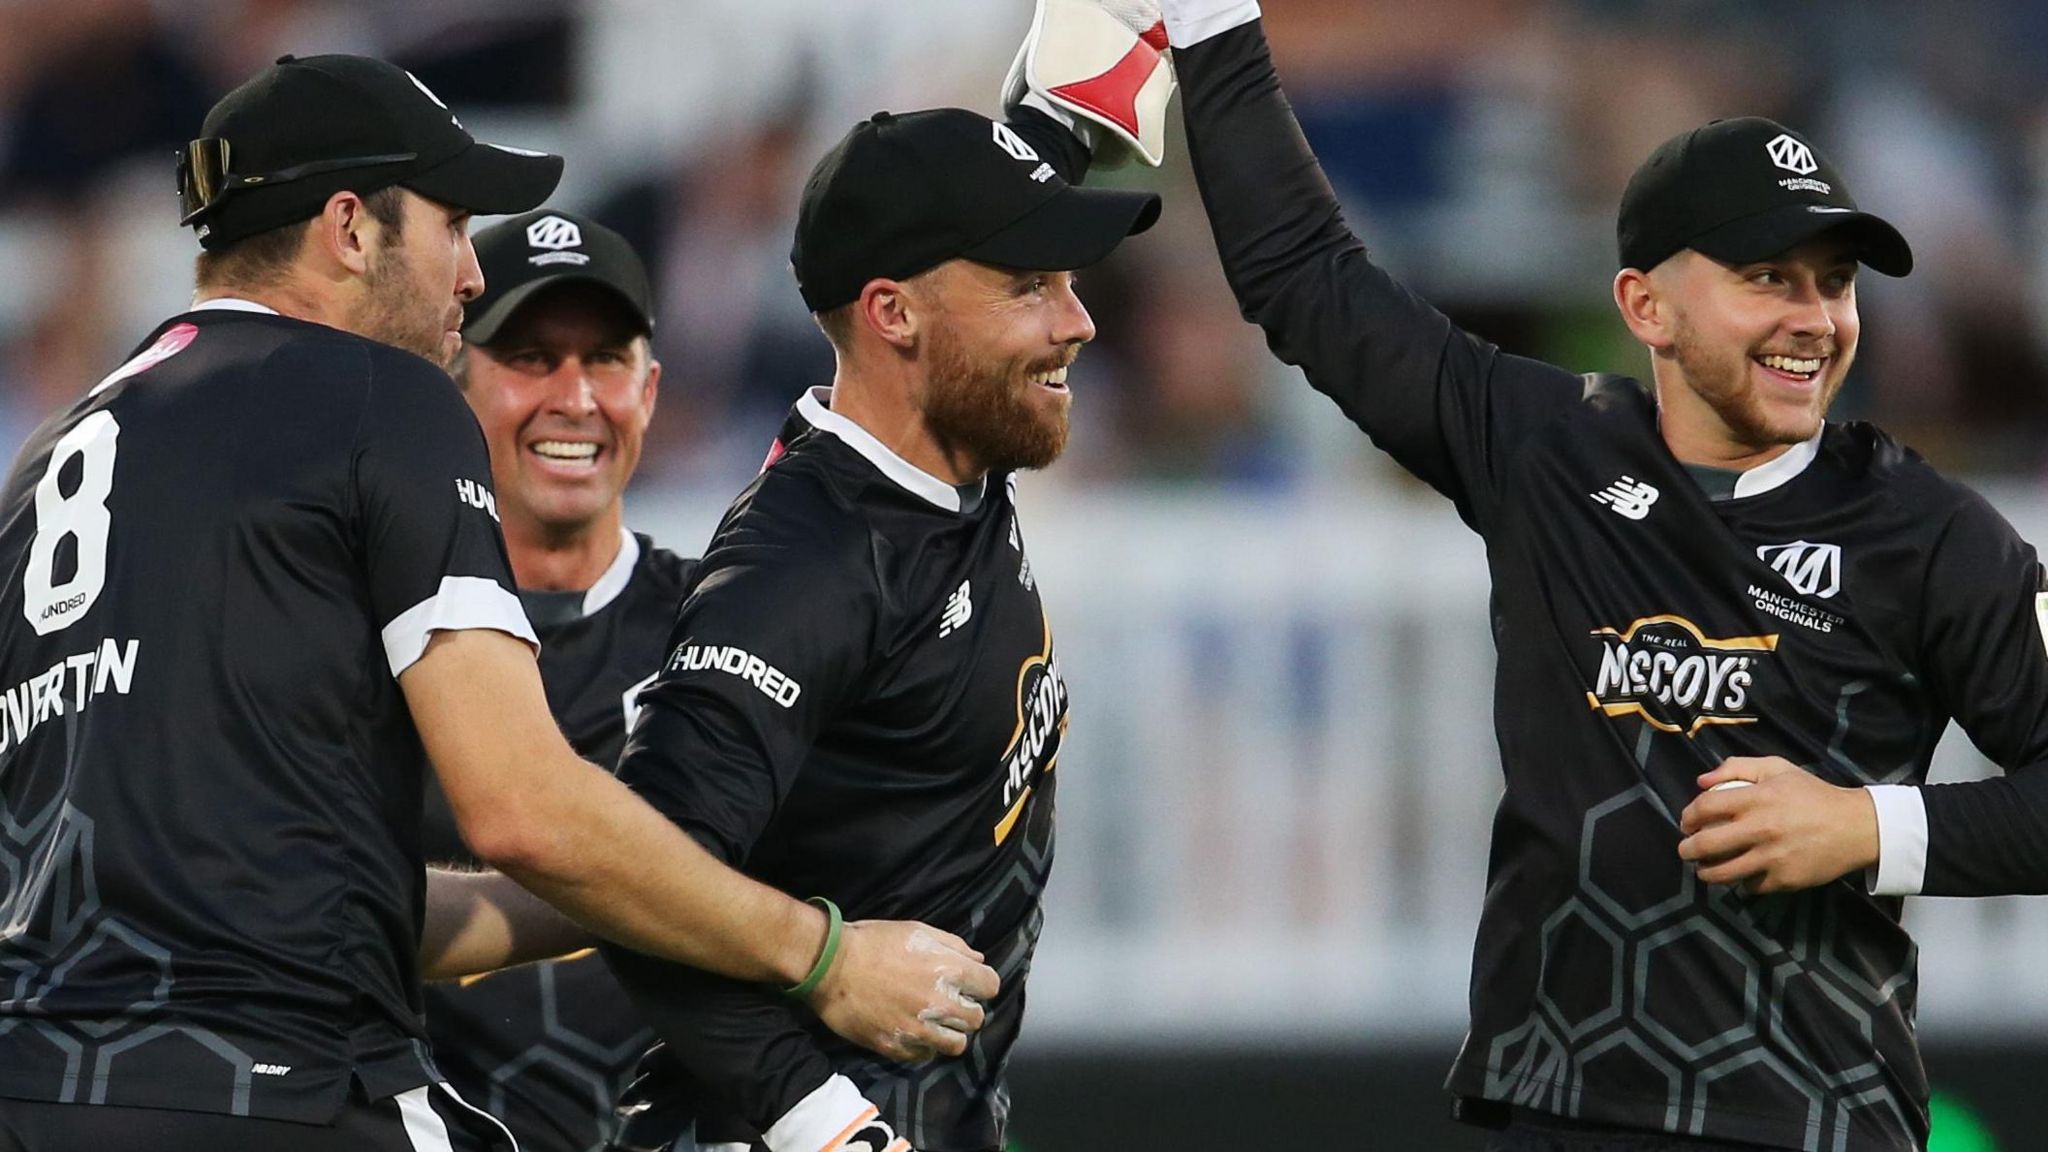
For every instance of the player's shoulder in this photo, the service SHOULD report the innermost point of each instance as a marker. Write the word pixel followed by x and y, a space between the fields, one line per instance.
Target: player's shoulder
pixel 1610 394
pixel 804 505
pixel 1879 459
pixel 659 570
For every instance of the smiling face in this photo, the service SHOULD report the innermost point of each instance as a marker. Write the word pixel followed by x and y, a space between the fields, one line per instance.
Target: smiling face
pixel 564 394
pixel 418 279
pixel 1750 356
pixel 996 356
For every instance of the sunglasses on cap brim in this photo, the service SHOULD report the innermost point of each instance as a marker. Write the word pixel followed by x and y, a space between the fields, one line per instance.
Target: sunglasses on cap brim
pixel 206 175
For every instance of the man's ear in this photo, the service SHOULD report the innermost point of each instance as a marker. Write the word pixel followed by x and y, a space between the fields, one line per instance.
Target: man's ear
pixel 891 310
pixel 1644 308
pixel 344 232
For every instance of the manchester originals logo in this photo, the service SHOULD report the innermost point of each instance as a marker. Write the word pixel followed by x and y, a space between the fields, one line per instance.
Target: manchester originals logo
pixel 552 237
pixel 1041 726
pixel 1667 671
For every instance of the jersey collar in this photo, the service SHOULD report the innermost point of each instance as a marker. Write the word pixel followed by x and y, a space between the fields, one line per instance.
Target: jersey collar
pixel 614 580
pixel 233 304
pixel 811 406
pixel 1779 472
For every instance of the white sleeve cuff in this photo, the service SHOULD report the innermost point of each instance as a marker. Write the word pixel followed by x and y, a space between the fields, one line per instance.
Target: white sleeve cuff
pixel 460 602
pixel 1901 840
pixel 822 1120
pixel 1193 21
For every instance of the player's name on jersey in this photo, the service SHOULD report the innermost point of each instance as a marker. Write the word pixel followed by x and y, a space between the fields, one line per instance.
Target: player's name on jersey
pixel 77 679
pixel 741 663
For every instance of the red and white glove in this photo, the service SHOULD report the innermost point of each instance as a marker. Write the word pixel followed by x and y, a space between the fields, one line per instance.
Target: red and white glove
pixel 835 1117
pixel 1193 21
pixel 1100 67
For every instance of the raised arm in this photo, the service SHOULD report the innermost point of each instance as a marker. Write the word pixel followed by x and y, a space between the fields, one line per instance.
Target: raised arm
pixel 1448 406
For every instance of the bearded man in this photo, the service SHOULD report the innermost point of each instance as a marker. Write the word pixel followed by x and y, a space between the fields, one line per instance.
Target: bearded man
pixel 861 697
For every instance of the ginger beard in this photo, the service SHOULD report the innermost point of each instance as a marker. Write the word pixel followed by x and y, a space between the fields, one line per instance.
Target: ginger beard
pixel 993 412
pixel 1725 379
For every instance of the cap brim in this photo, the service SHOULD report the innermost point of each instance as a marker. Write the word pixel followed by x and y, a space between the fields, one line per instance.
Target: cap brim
pixel 483 326
pixel 491 179
pixel 1768 234
pixel 1074 228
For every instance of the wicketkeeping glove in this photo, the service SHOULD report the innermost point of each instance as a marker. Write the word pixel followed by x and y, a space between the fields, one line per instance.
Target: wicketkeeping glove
pixel 1098 66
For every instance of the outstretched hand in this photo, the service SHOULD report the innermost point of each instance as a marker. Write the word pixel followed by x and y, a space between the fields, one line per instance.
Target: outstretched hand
pixel 1787 830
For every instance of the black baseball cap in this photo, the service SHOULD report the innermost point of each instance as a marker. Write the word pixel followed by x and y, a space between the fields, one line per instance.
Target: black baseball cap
pixel 526 254
pixel 901 194
pixel 1744 190
pixel 275 149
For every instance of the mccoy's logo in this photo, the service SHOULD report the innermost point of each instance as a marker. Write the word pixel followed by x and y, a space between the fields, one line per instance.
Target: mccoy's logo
pixel 1664 669
pixel 1041 726
pixel 1814 569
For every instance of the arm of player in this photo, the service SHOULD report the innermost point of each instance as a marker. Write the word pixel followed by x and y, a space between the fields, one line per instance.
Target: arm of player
pixel 573 835
pixel 481 921
pixel 1448 406
pixel 1983 655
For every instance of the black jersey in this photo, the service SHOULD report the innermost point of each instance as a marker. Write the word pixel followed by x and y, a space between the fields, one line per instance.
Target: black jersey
pixel 1838 607
pixel 549 1047
pixel 217 563
pixel 860 701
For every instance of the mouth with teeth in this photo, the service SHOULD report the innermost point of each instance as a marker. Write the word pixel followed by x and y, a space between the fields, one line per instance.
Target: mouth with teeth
pixel 577 455
pixel 1794 369
pixel 1052 379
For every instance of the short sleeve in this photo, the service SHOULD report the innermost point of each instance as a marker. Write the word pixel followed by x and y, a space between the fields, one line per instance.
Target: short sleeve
pixel 428 518
pixel 774 634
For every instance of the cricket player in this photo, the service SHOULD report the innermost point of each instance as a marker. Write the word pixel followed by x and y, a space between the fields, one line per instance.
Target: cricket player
pixel 862 696
pixel 556 365
pixel 1730 634
pixel 253 584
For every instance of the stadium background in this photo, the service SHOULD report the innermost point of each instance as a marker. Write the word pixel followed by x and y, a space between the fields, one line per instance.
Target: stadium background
pixel 1274 815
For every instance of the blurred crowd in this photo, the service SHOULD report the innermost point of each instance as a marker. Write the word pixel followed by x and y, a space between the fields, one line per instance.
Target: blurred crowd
pixel 1480 146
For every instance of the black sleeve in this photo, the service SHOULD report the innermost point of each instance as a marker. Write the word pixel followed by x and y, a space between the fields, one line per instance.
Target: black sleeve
pixel 774 633
pixel 1446 405
pixel 1985 649
pixel 426 517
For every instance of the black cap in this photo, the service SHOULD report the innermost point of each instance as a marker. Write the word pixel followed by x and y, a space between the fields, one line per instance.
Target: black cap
pixel 1745 190
pixel 275 149
pixel 527 253
pixel 901 194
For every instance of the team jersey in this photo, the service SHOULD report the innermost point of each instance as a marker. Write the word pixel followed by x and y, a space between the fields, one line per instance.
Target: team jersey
pixel 1836 607
pixel 217 564
pixel 861 701
pixel 548 1047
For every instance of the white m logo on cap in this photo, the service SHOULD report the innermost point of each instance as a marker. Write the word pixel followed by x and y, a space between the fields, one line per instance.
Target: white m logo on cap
pixel 1792 155
pixel 1010 142
pixel 554 233
pixel 1814 569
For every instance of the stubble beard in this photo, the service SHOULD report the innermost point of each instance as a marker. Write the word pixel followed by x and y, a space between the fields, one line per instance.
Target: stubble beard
pixel 985 410
pixel 1722 380
pixel 394 312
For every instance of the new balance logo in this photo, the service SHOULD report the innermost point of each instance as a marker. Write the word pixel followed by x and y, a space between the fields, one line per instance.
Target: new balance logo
pixel 1628 497
pixel 1813 569
pixel 1789 153
pixel 959 610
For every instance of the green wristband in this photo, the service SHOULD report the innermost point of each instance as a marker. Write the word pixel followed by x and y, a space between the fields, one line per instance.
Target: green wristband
pixel 830 952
